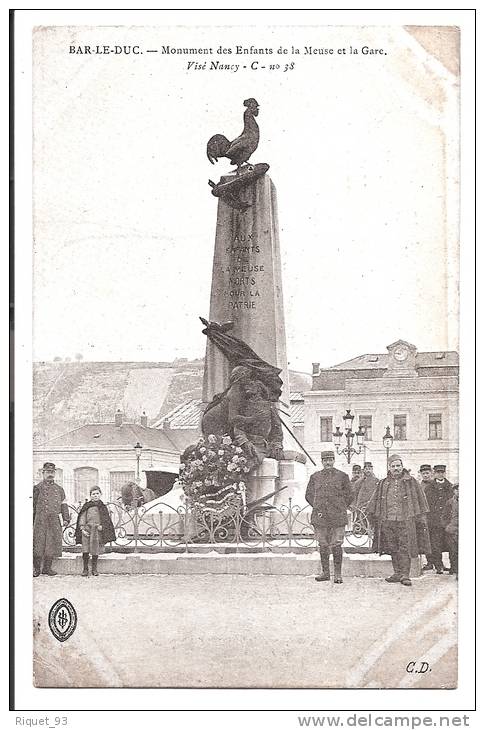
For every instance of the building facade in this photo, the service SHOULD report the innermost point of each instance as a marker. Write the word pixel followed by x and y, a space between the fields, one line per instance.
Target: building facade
pixel 414 393
pixel 103 454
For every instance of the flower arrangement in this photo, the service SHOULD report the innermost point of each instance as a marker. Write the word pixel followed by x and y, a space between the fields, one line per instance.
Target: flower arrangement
pixel 213 474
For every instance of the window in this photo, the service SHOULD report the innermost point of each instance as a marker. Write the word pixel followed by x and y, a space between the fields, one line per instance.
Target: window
pixel 85 477
pixel 400 428
pixel 366 423
pixel 435 428
pixel 117 479
pixel 326 428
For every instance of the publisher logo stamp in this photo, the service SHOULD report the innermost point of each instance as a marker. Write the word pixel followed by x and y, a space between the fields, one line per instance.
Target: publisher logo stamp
pixel 62 619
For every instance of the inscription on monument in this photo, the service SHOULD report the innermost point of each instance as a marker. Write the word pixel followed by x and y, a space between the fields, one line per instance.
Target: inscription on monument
pixel 242 275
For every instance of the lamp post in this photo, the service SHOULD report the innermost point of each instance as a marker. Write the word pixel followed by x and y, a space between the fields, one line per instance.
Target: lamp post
pixel 138 449
pixel 387 441
pixel 348 450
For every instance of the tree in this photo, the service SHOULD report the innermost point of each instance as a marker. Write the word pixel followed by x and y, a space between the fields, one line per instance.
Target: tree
pixel 78 356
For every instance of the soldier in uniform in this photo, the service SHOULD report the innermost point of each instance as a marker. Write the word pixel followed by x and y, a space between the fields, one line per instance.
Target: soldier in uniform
pixel 355 478
pixel 49 502
pixel 451 529
pixel 329 493
pixel 399 509
pixel 438 492
pixel 365 487
pixel 426 474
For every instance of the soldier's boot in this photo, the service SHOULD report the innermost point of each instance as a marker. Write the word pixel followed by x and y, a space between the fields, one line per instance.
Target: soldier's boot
pixel 85 572
pixel 37 564
pixel 324 559
pixel 337 563
pixel 405 566
pixel 94 566
pixel 438 562
pixel 47 569
pixel 429 565
pixel 397 575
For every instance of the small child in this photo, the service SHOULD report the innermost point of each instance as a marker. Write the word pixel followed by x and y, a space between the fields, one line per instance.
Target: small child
pixel 94 529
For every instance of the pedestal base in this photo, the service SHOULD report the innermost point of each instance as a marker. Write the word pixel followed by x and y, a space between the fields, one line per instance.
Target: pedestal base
pixel 262 481
pixel 293 476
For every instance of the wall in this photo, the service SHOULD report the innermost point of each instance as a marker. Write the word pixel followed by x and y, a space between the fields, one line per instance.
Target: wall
pixel 106 461
pixel 389 396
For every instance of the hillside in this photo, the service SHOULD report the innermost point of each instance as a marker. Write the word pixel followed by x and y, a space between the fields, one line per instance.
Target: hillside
pixel 69 394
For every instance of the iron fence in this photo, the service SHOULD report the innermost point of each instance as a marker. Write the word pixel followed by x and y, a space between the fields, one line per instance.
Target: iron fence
pixel 163 528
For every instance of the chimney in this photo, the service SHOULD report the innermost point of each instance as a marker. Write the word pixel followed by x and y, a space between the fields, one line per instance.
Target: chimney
pixel 144 419
pixel 315 368
pixel 118 418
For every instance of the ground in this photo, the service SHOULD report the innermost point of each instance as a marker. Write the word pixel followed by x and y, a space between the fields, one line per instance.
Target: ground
pixel 247 631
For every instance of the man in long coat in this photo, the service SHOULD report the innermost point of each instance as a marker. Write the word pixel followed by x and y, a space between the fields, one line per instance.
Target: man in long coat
pixel 450 516
pixel 438 492
pixel 399 508
pixel 49 502
pixel 426 474
pixel 365 487
pixel 355 478
pixel 329 493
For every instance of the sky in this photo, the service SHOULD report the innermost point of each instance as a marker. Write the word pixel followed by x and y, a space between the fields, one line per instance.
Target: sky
pixel 362 150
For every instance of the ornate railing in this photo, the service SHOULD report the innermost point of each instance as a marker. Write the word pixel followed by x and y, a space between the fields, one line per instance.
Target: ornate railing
pixel 163 528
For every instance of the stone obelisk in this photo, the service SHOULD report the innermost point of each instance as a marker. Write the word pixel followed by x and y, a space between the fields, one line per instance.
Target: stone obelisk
pixel 247 290
pixel 247 286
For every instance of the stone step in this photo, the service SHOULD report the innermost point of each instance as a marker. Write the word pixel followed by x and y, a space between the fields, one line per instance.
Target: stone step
pixel 367 566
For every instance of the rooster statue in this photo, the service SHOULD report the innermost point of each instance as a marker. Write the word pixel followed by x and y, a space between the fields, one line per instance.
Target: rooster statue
pixel 239 150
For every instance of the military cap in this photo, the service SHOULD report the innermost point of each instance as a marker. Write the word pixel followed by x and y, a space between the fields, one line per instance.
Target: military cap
pixel 439 467
pixel 356 467
pixel 395 457
pixel 425 467
pixel 368 463
pixel 49 465
pixel 327 454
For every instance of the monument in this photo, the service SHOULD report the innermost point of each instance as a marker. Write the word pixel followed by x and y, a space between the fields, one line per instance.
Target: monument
pixel 246 371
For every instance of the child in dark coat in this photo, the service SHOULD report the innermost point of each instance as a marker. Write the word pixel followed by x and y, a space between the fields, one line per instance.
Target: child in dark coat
pixel 94 529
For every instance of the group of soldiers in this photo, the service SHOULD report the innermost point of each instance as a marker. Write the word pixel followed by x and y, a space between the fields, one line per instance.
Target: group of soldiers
pixel 408 518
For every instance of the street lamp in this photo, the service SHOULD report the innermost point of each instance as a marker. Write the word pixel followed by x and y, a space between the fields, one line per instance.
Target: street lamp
pixel 138 449
pixel 387 441
pixel 348 450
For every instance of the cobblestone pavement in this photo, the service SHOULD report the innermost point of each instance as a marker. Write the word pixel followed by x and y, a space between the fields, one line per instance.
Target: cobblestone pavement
pixel 247 631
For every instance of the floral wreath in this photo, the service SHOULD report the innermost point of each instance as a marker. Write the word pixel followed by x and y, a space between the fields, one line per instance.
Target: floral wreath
pixel 213 474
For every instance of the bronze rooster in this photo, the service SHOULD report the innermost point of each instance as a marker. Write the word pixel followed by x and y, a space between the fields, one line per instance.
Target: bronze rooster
pixel 239 150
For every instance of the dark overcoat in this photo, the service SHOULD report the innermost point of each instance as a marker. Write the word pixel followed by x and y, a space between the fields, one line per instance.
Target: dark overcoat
pixel 49 503
pixel 451 520
pixel 438 495
pixel 415 508
pixel 364 488
pixel 107 529
pixel 329 493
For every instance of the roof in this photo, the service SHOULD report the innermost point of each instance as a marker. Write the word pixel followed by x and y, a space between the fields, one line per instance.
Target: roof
pixel 110 435
pixel 188 414
pixel 373 361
